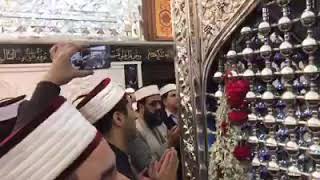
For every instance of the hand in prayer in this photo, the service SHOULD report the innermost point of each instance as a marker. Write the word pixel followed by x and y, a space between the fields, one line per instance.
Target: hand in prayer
pixel 166 168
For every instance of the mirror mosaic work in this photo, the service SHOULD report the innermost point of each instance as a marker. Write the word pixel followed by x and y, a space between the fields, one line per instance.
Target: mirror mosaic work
pixel 72 19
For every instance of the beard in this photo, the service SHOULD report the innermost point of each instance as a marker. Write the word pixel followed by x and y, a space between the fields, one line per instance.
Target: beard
pixel 153 119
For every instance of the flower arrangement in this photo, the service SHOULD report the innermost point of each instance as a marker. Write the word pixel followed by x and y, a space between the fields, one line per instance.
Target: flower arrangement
pixel 227 153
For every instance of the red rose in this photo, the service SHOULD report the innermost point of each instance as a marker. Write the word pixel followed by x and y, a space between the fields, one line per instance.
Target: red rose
pixel 224 127
pixel 235 100
pixel 244 85
pixel 242 152
pixel 236 92
pixel 240 87
pixel 238 117
pixel 244 105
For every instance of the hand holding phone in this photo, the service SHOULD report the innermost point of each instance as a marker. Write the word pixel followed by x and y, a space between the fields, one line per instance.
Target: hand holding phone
pixel 94 57
pixel 61 70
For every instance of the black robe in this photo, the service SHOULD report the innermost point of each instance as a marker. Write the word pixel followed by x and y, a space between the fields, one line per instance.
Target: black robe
pixel 122 162
pixel 168 121
pixel 44 93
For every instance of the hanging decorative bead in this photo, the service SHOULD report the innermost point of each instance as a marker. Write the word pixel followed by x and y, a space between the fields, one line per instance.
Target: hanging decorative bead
pixel 308 18
pixel 281 106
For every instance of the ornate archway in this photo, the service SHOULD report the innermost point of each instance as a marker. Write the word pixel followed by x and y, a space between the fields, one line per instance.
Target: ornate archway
pixel 200 27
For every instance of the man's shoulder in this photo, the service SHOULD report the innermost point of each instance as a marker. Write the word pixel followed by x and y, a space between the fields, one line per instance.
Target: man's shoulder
pixel 140 124
pixel 140 153
pixel 140 141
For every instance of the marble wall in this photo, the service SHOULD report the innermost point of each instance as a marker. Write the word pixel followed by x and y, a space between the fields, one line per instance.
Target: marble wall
pixel 18 79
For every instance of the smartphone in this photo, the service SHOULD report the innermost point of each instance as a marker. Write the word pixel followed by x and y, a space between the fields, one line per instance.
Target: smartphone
pixel 93 57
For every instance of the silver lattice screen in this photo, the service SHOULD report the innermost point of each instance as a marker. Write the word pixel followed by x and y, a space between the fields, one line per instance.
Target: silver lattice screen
pixel 276 50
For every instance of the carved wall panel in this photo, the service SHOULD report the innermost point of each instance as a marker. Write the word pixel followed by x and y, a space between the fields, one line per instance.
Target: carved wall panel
pixel 219 19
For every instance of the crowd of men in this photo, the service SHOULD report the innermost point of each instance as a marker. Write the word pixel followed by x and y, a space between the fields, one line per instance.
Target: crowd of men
pixel 109 133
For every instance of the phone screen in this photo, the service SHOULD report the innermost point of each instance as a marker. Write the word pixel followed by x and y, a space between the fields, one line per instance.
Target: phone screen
pixel 94 57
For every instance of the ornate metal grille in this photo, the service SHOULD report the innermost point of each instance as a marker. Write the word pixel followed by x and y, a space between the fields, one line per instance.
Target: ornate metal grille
pixel 277 53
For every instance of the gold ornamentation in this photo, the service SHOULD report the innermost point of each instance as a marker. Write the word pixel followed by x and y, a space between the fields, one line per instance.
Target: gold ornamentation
pixel 215 15
pixel 222 163
pixel 219 19
pixel 201 27
pixel 183 70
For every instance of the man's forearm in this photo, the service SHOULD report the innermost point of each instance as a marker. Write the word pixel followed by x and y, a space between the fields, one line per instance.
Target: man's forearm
pixel 44 93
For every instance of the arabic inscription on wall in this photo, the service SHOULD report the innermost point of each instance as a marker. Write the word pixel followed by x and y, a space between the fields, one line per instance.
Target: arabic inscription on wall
pixel 29 54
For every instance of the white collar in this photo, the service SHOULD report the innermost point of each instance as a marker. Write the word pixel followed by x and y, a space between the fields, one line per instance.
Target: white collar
pixel 170 113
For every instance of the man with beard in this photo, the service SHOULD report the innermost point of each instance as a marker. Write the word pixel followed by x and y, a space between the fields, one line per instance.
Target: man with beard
pixel 51 138
pixel 150 125
pixel 109 109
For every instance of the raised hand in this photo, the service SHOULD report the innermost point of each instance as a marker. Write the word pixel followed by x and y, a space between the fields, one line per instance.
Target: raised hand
pixel 166 168
pixel 169 166
pixel 61 71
